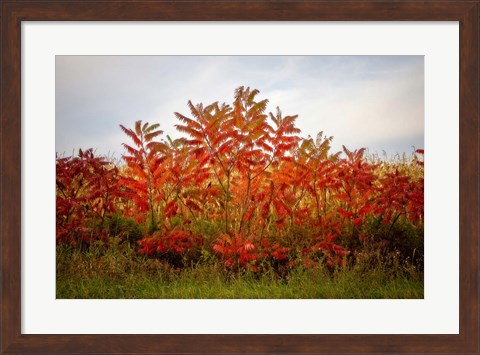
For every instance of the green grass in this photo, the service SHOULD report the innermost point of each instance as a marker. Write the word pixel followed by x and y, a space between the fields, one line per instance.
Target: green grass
pixel 118 273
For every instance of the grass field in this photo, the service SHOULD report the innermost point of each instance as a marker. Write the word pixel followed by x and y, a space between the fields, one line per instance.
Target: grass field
pixel 86 275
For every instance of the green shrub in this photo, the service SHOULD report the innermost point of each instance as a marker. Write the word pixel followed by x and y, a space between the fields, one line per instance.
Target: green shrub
pixel 126 228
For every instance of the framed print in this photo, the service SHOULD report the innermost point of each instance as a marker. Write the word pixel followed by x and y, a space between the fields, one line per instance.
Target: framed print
pixel 213 232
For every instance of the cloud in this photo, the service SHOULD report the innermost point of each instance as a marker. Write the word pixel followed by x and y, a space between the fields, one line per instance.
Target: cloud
pixel 372 101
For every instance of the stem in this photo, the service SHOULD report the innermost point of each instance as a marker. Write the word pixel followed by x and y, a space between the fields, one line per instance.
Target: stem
pixel 227 192
pixel 317 200
pixel 246 202
pixel 394 221
pixel 183 203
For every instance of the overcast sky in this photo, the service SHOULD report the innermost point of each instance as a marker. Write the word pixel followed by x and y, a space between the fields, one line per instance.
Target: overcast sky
pixel 375 102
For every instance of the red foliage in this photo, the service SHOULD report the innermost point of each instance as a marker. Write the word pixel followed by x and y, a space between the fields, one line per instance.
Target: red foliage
pixel 322 248
pixel 399 195
pixel 87 192
pixel 176 245
pixel 237 251
pixel 246 171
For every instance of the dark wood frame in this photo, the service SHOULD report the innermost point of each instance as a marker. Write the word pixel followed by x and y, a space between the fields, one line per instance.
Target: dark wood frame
pixel 13 12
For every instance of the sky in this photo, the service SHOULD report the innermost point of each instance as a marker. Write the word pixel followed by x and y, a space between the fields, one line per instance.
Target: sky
pixel 375 102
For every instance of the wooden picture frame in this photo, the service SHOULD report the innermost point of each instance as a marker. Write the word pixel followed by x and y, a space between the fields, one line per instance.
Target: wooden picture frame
pixel 14 12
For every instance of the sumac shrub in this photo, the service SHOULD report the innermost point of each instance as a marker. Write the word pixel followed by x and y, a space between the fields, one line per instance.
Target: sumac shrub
pixel 242 186
pixel 87 192
pixel 179 247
